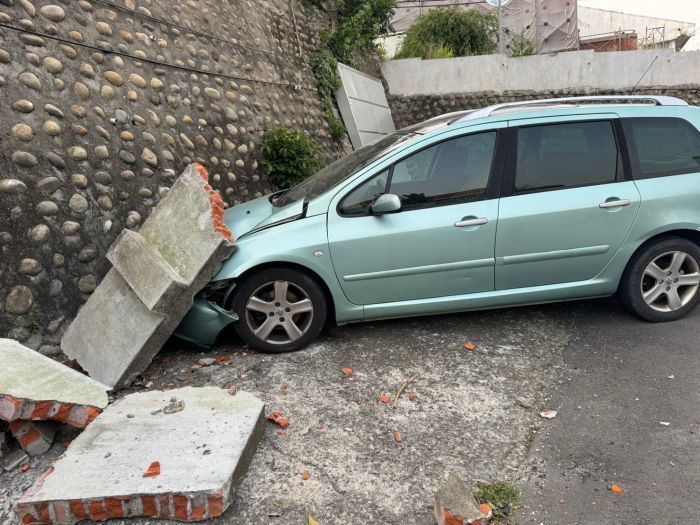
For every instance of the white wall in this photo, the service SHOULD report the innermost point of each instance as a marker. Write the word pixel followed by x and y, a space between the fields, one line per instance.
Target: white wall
pixel 572 70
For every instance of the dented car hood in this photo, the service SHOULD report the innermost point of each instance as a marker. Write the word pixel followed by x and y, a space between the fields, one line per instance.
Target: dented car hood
pixel 258 214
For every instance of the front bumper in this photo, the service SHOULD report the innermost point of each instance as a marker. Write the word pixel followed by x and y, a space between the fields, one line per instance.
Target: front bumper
pixel 203 322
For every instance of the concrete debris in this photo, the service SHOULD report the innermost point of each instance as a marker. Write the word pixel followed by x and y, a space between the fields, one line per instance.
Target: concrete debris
pixel 154 278
pixel 548 414
pixel 4 431
pixel 14 460
pixel 202 454
pixel 34 387
pixel 35 437
pixel 456 505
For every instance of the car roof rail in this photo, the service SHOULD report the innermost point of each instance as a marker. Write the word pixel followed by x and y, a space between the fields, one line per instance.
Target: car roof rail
pixel 600 99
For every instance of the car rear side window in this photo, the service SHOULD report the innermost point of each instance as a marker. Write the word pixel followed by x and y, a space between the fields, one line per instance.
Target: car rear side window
pixel 660 147
pixel 559 156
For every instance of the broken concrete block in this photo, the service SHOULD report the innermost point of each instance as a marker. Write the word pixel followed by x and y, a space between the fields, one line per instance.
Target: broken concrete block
pixel 35 437
pixel 202 452
pixel 455 504
pixel 35 387
pixel 3 442
pixel 15 459
pixel 151 286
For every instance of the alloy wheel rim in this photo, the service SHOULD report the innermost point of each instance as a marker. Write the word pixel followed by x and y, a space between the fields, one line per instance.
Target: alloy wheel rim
pixel 670 281
pixel 279 312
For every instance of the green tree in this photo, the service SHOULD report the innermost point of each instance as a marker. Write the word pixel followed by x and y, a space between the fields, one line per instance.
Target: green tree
pixel 450 32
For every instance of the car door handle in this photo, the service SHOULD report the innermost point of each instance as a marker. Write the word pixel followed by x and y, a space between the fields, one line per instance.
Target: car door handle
pixel 471 222
pixel 615 204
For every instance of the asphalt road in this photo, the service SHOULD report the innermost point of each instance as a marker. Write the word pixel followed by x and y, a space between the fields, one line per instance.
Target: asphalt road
pixel 622 379
pixel 612 378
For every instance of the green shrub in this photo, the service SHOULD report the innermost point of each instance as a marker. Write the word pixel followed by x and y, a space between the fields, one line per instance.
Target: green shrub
pixel 289 156
pixel 360 23
pixel 463 33
pixel 325 69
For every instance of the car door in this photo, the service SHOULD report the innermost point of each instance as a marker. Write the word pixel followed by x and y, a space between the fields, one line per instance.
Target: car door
pixel 440 243
pixel 567 207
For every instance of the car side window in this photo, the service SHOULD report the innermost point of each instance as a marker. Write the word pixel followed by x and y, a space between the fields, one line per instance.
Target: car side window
pixel 357 203
pixel 660 147
pixel 451 172
pixel 568 155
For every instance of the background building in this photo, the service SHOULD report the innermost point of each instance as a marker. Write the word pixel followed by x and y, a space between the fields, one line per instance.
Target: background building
pixel 556 25
pixel 605 30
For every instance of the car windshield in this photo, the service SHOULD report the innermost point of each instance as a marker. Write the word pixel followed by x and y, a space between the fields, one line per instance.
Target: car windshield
pixel 343 168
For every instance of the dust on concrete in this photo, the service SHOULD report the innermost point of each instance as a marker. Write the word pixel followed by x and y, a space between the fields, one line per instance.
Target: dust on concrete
pixel 465 416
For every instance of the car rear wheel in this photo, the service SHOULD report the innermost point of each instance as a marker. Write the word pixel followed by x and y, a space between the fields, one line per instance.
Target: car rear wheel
pixel 279 310
pixel 662 282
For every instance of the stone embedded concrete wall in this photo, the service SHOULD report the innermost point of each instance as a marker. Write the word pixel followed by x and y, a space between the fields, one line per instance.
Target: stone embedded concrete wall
pixel 104 104
pixel 413 109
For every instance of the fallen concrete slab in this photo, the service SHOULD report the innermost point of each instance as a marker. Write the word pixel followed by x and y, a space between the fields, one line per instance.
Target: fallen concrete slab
pixel 152 283
pixel 35 387
pixel 137 459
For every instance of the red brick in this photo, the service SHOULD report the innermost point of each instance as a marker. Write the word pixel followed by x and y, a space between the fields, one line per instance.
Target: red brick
pixel 78 510
pixel 97 510
pixel 150 508
pixel 114 507
pixel 41 410
pixel 216 505
pixel 163 506
pixel 181 507
pixel 10 408
pixel 198 508
pixel 61 512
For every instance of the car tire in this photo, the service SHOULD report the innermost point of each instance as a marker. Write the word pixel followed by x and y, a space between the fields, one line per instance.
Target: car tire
pixel 651 286
pixel 279 310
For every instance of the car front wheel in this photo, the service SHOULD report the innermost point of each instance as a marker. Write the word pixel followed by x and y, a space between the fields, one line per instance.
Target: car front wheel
pixel 279 310
pixel 662 282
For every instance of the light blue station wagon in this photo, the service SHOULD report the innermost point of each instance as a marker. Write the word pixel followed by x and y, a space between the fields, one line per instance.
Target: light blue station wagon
pixel 514 204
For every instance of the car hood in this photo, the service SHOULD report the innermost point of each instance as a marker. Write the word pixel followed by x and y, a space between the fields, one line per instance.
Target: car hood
pixel 259 213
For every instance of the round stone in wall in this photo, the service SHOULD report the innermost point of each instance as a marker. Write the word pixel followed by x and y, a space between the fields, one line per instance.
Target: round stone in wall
pixel 19 300
pixel 12 186
pixel 30 267
pixel 78 203
pixel 52 128
pixel 23 106
pixel 87 284
pixel 77 153
pixel 24 159
pixel 23 132
pixel 47 208
pixel 52 12
pixel 40 233
pixel 53 65
pixel 30 80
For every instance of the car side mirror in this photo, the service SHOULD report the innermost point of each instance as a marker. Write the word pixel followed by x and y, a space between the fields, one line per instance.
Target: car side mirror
pixel 386 203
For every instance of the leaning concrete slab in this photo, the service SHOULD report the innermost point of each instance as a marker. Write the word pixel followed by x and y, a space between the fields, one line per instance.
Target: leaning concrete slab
pixel 138 459
pixel 35 387
pixel 151 286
